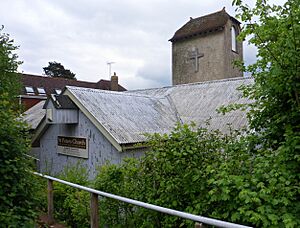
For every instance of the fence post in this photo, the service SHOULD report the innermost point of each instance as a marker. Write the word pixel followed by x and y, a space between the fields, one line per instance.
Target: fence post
pixel 50 201
pixel 199 225
pixel 94 211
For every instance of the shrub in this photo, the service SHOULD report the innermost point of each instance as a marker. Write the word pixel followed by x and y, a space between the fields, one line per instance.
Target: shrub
pixel 72 205
pixel 17 183
pixel 18 203
pixel 121 180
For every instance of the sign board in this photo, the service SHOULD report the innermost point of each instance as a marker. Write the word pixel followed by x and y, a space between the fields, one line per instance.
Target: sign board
pixel 72 146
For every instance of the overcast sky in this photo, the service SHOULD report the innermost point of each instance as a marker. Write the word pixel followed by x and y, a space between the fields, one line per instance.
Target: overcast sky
pixel 84 35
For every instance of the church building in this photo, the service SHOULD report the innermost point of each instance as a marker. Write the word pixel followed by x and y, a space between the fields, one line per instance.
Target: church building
pixel 205 48
pixel 93 126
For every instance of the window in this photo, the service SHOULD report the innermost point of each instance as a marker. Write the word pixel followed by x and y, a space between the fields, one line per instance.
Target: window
pixel 41 91
pixel 29 90
pixel 233 39
pixel 57 91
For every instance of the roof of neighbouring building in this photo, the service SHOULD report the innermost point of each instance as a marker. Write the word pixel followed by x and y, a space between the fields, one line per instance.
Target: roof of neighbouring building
pixel 127 116
pixel 203 25
pixel 34 115
pixel 54 85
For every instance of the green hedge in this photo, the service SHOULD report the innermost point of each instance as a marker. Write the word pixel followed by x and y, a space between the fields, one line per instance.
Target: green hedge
pixel 193 170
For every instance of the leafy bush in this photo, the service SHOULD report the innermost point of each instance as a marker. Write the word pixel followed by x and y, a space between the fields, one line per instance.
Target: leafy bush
pixel 18 203
pixel 193 170
pixel 17 183
pixel 176 171
pixel 121 180
pixel 206 173
pixel 173 174
pixel 72 205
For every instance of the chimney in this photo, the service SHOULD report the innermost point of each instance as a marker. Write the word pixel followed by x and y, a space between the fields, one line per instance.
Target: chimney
pixel 114 86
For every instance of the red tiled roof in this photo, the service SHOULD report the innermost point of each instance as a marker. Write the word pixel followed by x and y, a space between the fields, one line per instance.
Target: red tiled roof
pixel 50 84
pixel 202 25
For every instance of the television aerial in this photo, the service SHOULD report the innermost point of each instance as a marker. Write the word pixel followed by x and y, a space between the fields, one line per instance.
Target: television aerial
pixel 109 68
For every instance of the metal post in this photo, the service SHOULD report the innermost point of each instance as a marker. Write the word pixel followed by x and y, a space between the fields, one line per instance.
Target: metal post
pixel 109 68
pixel 94 211
pixel 50 202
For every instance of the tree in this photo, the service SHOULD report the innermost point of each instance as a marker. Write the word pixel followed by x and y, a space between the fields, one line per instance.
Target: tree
pixel 17 185
pixel 274 115
pixel 57 70
pixel 9 80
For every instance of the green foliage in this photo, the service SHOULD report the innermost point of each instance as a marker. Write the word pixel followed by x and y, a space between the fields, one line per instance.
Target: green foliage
pixel 175 170
pixel 276 34
pixel 193 170
pixel 255 189
pixel 72 205
pixel 15 191
pixel 121 180
pixel 9 79
pixel 173 174
pixel 206 173
pixel 57 70
pixel 17 183
pixel 274 116
pixel 16 198
pixel 40 195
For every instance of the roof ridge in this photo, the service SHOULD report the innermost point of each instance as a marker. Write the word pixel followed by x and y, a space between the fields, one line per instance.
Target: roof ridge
pixel 123 93
pixel 209 23
pixel 59 78
pixel 136 90
pixel 215 81
pixel 194 83
pixel 210 14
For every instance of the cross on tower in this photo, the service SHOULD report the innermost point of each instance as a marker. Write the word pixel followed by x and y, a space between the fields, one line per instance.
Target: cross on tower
pixel 195 55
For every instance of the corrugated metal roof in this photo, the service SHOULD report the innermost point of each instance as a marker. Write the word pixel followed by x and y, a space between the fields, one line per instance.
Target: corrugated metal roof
pixel 128 115
pixel 34 115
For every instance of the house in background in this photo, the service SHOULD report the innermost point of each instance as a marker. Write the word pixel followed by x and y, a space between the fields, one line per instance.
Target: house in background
pixel 36 88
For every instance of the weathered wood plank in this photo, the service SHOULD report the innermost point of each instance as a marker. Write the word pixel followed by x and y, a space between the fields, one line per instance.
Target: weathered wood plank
pixel 50 201
pixel 94 211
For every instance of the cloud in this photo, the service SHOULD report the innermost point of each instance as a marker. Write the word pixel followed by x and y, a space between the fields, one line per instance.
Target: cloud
pixel 85 35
